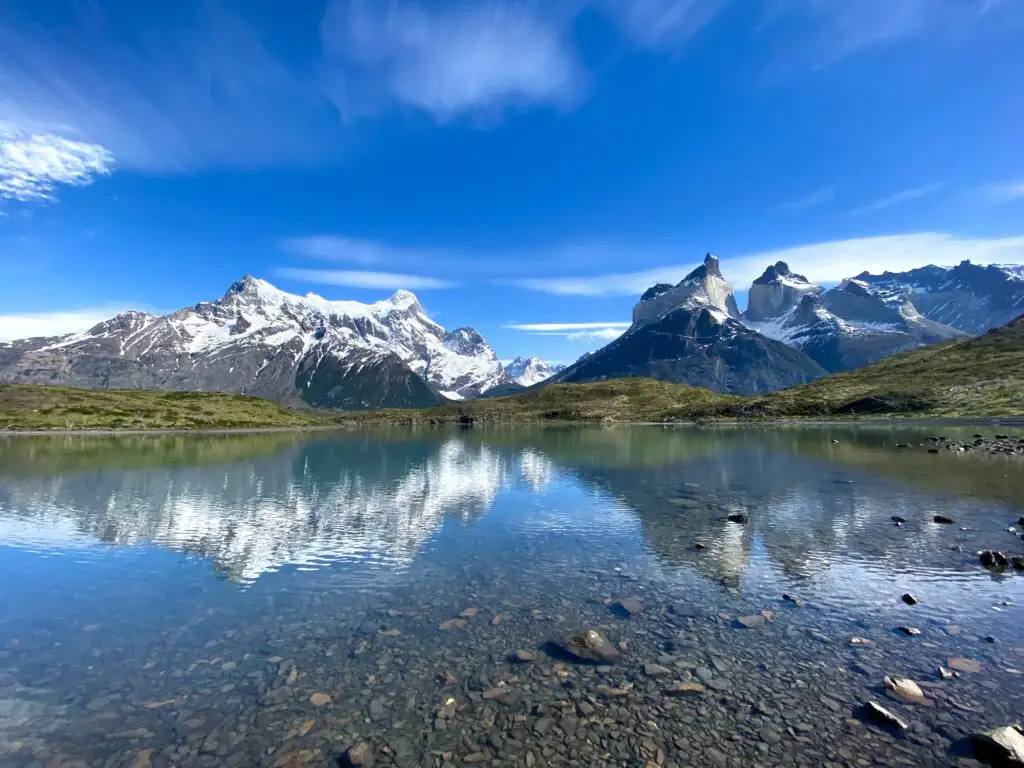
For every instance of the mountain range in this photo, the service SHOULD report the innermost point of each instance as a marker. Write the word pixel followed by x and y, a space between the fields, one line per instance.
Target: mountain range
pixel 306 351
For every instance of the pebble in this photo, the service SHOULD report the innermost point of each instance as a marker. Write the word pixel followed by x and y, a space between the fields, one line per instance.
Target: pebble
pixel 880 714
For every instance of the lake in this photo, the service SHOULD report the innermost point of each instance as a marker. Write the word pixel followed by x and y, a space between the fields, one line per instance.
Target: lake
pixel 275 599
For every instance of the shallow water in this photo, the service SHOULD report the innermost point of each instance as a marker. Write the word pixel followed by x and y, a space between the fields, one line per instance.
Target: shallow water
pixel 178 600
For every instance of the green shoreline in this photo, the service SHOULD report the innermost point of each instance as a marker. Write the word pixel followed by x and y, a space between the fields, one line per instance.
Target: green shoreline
pixel 978 380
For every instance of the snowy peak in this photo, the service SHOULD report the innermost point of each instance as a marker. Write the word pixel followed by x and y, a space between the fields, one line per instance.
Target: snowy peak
pixel 258 339
pixel 969 297
pixel 527 371
pixel 777 291
pixel 703 288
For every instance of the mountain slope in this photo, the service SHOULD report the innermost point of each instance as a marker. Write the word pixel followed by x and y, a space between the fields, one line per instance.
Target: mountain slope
pixel 851 325
pixel 258 340
pixel 688 334
pixel 968 297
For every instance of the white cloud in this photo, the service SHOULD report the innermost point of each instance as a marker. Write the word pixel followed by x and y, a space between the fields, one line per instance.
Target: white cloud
pixel 574 332
pixel 1002 192
pixel 33 166
pixel 337 248
pixel 604 334
pixel 813 200
pixel 193 87
pixel 57 323
pixel 468 57
pixel 620 284
pixel 900 198
pixel 358 279
pixel 548 327
pixel 825 31
pixel 821 262
pixel 663 23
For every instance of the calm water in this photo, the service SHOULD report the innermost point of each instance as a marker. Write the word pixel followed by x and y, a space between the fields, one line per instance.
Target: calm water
pixel 179 600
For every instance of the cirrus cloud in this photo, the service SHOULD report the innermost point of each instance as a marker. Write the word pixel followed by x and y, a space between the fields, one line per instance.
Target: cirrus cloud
pixel 360 279
pixel 34 165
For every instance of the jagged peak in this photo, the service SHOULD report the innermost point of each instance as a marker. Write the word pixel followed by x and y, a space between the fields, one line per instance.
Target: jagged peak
pixel 710 268
pixel 405 299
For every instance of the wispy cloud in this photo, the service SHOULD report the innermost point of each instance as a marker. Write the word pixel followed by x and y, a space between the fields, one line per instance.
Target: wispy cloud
pixel 1001 192
pixel 821 32
pixel 663 23
pixel 822 262
pixel 359 279
pixel 33 166
pixel 619 284
pixel 27 325
pixel 813 200
pixel 900 198
pixel 564 327
pixel 574 332
pixel 447 61
pixel 338 248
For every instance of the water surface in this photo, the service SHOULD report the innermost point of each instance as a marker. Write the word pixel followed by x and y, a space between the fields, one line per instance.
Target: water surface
pixel 178 600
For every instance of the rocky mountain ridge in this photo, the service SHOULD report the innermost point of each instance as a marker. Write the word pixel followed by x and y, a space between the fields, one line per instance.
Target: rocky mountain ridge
pixel 691 333
pixel 259 340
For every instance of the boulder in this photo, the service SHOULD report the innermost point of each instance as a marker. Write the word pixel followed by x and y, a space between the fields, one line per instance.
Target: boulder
pixel 1000 746
pixel 589 645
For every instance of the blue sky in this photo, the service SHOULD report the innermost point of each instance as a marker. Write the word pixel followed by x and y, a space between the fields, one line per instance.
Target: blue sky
pixel 526 163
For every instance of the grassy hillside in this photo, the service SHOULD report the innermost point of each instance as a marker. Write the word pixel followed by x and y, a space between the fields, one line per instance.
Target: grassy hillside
pixel 978 377
pixel 27 407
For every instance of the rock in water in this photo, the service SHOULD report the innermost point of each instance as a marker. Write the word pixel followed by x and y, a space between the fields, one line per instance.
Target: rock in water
pixel 319 699
pixel 943 520
pixel 590 645
pixel 752 622
pixel 909 599
pixel 880 714
pixel 905 688
pixel 359 755
pixel 1001 746
pixel 656 670
pixel 629 606
pixel 738 518
pixel 898 519
pixel 993 560
pixel 909 631
pixel 684 689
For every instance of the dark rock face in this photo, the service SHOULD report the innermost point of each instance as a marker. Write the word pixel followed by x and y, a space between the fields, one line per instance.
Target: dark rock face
pixel 655 291
pixel 693 346
pixel 260 341
pixel 968 297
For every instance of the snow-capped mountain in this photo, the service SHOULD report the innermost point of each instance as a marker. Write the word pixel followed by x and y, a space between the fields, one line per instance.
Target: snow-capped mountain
pixel 703 288
pixel 691 334
pixel 527 371
pixel 258 340
pixel 846 327
pixel 969 297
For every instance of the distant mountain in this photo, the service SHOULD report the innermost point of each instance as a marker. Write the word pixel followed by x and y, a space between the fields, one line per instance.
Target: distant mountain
pixel 691 334
pixel 968 297
pixel 527 371
pixel 851 325
pixel 258 340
